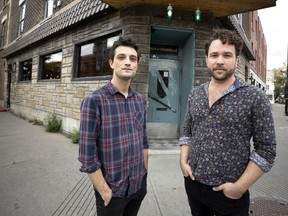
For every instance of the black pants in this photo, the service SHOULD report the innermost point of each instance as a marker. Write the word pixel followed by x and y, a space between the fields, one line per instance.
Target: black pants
pixel 126 206
pixel 204 201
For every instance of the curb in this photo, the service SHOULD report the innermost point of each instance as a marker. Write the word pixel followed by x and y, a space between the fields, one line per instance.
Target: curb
pixel 164 152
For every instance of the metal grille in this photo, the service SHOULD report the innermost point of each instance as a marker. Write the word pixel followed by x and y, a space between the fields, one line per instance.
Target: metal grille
pixel 80 201
pixel 268 207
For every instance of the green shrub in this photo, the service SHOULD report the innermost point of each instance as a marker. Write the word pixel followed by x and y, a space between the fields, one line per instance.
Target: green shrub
pixel 53 123
pixel 74 136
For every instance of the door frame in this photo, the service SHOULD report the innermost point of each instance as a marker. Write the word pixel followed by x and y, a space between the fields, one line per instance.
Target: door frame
pixel 166 127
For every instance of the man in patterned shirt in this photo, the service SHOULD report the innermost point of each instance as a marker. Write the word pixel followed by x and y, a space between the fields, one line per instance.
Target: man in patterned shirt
pixel 222 116
pixel 113 146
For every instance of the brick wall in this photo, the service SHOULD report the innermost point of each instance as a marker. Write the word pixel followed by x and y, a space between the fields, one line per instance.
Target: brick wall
pixel 34 13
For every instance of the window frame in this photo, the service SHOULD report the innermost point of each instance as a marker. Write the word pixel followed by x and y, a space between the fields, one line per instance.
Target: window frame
pixel 42 65
pixel 20 75
pixel 49 4
pixel 3 34
pixel 77 55
pixel 22 9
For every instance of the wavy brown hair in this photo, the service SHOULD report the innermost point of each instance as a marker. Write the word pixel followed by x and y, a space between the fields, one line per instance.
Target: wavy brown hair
pixel 227 37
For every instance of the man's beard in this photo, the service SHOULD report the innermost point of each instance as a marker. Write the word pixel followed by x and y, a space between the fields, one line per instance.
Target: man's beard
pixel 222 77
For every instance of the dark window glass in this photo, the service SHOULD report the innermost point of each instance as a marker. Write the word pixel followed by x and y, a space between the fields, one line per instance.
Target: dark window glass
pixel 25 70
pixel 93 57
pixel 164 76
pixel 21 19
pixel 3 31
pixel 51 66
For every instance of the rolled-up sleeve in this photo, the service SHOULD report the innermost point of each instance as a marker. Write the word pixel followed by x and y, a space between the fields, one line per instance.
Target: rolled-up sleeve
pixel 89 130
pixel 264 139
pixel 186 136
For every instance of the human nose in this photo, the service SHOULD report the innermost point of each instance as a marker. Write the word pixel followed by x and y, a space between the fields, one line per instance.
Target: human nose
pixel 220 60
pixel 127 61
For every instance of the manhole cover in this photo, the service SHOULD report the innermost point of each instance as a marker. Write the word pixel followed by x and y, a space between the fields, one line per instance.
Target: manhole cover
pixel 268 207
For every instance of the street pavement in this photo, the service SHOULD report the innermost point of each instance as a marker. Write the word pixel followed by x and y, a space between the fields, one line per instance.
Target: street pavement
pixel 40 174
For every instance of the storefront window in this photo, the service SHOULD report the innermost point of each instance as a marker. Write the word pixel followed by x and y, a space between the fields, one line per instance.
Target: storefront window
pixel 92 57
pixel 25 70
pixel 51 66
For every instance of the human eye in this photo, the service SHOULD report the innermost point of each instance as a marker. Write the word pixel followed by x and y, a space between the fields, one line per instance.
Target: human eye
pixel 228 55
pixel 133 58
pixel 121 57
pixel 213 55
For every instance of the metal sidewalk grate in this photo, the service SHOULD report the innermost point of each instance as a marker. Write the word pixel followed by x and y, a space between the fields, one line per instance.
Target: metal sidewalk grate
pixel 80 201
pixel 268 207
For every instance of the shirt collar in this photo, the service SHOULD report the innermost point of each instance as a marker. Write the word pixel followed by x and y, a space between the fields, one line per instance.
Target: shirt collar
pixel 238 83
pixel 113 90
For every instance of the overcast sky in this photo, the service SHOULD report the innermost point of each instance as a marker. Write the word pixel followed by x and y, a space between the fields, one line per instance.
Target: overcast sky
pixel 274 22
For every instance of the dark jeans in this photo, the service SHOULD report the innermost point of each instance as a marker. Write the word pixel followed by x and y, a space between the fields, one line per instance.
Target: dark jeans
pixel 204 201
pixel 126 206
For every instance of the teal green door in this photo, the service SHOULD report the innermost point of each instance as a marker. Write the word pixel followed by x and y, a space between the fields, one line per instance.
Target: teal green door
pixel 163 98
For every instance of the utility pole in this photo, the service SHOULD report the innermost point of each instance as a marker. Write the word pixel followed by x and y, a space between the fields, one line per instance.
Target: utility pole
pixel 286 85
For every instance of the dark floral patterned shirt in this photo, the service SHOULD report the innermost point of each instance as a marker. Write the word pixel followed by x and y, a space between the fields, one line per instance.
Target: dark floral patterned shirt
pixel 219 136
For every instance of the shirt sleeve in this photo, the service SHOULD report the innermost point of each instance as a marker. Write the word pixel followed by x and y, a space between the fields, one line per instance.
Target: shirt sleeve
pixel 145 138
pixel 264 140
pixel 185 139
pixel 89 130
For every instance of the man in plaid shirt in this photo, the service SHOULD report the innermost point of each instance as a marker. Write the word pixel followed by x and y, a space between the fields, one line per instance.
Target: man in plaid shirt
pixel 113 146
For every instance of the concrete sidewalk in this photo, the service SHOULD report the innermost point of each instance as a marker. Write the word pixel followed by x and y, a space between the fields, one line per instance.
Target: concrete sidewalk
pixel 40 176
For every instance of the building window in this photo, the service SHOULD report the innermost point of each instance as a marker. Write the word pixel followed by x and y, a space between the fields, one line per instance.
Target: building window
pixel 92 57
pixel 50 66
pixel 25 70
pixel 21 18
pixel 3 31
pixel 48 8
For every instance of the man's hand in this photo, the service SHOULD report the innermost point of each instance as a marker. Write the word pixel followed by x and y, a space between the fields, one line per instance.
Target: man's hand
pixel 230 190
pixel 184 156
pixel 186 170
pixel 101 185
pixel 106 195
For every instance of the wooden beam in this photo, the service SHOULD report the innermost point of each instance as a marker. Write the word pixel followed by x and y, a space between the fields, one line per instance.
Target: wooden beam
pixel 218 8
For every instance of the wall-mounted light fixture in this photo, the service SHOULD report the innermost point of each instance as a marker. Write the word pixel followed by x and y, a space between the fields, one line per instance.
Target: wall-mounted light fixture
pixel 169 11
pixel 58 3
pixel 197 15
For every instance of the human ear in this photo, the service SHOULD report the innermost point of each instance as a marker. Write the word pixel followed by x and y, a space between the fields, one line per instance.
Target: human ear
pixel 111 63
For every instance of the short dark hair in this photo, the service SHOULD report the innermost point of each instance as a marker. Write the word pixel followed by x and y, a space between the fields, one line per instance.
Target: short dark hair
pixel 124 41
pixel 226 36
